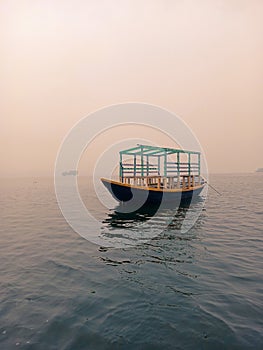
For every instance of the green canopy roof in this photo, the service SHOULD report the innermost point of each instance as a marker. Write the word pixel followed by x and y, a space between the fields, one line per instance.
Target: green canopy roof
pixel 153 151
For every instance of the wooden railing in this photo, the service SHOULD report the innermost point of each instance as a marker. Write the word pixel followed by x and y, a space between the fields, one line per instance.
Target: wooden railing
pixel 163 182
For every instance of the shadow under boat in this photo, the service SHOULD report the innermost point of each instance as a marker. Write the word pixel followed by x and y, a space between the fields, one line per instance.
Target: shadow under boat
pixel 125 216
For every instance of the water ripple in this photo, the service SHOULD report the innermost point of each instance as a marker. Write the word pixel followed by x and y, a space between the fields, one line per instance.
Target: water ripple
pixel 196 290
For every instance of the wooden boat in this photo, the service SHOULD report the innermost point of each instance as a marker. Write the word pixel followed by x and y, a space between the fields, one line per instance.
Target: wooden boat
pixel 156 175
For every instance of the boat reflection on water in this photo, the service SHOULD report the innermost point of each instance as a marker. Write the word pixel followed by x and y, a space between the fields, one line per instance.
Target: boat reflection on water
pixel 117 218
pixel 161 236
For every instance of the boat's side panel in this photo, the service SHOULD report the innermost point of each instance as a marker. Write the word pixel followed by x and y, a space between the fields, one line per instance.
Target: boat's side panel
pixel 124 194
pixel 120 193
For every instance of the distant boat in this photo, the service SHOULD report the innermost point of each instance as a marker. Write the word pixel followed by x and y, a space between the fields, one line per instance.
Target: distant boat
pixel 161 180
pixel 259 170
pixel 70 173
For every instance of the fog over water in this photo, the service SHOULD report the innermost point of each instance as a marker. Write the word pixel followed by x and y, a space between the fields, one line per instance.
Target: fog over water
pixel 61 61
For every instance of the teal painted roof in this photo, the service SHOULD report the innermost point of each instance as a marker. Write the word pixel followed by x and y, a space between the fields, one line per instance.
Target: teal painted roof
pixel 154 151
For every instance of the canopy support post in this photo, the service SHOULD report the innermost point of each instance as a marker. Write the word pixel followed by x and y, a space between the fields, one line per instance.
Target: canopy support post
pixel 142 172
pixel 189 164
pixel 121 169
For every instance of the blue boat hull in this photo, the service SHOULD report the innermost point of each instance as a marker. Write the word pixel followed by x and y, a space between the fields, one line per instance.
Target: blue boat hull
pixel 126 193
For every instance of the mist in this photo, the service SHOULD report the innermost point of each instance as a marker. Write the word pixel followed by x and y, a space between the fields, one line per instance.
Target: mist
pixel 61 60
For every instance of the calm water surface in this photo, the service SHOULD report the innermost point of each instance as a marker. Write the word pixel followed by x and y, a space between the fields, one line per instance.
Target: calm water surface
pixel 198 290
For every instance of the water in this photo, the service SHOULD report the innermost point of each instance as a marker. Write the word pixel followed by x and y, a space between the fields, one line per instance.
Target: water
pixel 199 290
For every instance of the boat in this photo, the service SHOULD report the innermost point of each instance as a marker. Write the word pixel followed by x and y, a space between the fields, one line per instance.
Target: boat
pixel 259 170
pixel 152 175
pixel 70 173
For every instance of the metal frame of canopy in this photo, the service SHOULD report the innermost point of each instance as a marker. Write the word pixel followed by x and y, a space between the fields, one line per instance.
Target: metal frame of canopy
pixel 143 167
pixel 145 173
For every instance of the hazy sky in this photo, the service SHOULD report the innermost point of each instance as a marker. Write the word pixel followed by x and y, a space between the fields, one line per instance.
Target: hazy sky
pixel 61 60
